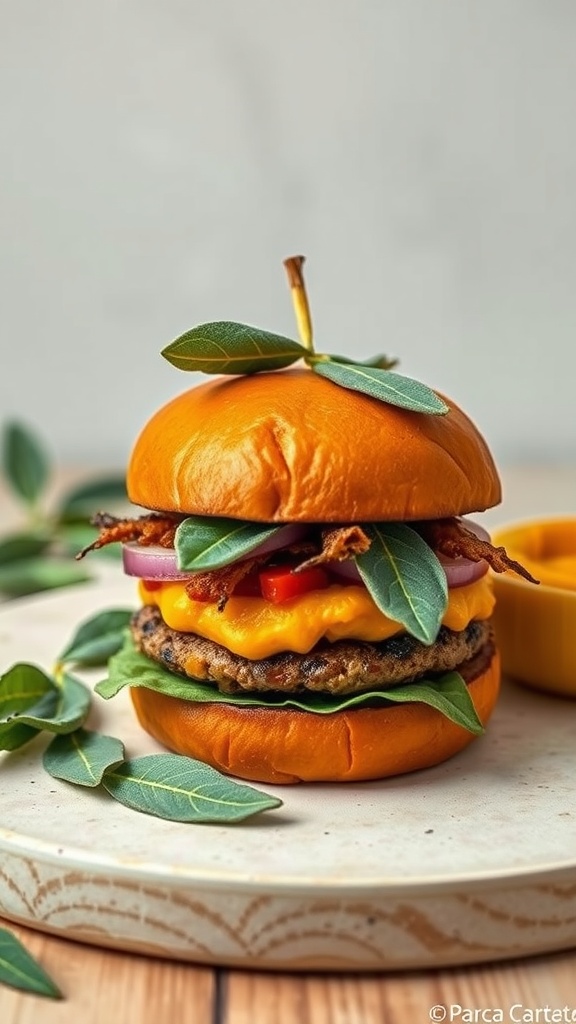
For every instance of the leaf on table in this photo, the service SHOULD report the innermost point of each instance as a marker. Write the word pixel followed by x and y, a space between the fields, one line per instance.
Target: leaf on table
pixel 20 970
pixel 86 499
pixel 28 697
pixel 210 542
pixel 14 736
pixel 22 687
pixel 385 385
pixel 19 547
pixel 180 788
pixel 33 575
pixel 25 462
pixel 232 348
pixel 82 757
pixel 97 638
pixel 405 578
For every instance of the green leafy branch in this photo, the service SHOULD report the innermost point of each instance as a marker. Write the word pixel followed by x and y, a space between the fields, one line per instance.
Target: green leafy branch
pixel 167 786
pixel 225 347
pixel 38 556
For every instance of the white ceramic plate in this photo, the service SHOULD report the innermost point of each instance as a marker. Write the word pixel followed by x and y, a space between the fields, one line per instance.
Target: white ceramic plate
pixel 469 861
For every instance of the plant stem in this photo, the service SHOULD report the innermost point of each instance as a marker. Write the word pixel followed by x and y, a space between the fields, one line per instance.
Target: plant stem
pixel 300 300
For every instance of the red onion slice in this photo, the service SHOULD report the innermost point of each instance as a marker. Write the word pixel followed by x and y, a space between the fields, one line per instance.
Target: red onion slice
pixel 462 571
pixel 157 563
pixel 151 562
pixel 347 570
pixel 283 538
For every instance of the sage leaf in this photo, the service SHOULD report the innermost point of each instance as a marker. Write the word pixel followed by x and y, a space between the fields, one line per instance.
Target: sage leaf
pixel 182 789
pixel 385 385
pixel 84 500
pixel 20 970
pixel 381 361
pixel 70 709
pixel 405 578
pixel 209 542
pixel 21 688
pixel 97 638
pixel 32 575
pixel 28 697
pixel 82 757
pixel 21 546
pixel 447 693
pixel 14 736
pixel 25 462
pixel 231 348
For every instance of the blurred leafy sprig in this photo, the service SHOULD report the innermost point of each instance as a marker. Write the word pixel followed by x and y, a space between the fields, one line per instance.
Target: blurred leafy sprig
pixel 39 555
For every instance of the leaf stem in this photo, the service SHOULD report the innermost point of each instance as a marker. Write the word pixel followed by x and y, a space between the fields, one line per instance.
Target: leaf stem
pixel 293 266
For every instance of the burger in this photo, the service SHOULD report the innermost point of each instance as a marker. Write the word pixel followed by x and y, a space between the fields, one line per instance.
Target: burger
pixel 315 601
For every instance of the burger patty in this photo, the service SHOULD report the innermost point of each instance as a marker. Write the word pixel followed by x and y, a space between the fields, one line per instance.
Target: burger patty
pixel 345 666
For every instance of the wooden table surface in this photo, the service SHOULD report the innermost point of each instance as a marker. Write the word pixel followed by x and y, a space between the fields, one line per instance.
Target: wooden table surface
pixel 107 987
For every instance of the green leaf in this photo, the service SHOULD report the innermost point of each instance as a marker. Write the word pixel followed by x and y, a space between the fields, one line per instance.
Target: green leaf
pixel 181 789
pixel 19 969
pixel 21 688
pixel 97 638
pixel 22 546
pixel 448 693
pixel 82 757
pixel 70 710
pixel 384 385
pixel 83 501
pixel 405 578
pixel 33 575
pixel 24 688
pixel 209 542
pixel 381 361
pixel 28 697
pixel 25 462
pixel 230 348
pixel 15 736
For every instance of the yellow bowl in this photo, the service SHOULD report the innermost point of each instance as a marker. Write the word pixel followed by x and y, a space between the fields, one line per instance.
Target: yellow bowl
pixel 536 625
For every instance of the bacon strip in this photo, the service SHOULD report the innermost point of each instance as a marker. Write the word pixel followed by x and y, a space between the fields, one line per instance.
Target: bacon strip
pixel 218 584
pixel 154 528
pixel 451 538
pixel 338 544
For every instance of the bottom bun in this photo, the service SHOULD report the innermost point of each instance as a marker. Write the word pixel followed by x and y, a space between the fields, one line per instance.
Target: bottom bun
pixel 265 744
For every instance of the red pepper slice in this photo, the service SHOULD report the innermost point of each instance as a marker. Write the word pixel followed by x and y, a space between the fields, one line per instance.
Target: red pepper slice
pixel 279 583
pixel 152 584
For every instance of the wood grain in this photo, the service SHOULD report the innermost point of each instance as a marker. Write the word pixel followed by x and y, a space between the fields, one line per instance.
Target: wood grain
pixel 397 998
pixel 106 987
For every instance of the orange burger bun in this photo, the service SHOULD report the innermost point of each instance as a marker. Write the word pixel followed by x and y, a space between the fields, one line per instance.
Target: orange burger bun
pixel 291 446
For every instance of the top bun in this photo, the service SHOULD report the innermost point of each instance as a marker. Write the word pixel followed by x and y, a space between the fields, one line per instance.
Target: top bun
pixel 291 446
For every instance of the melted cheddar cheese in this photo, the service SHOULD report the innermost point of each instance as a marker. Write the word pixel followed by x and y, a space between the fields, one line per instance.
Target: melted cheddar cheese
pixel 255 628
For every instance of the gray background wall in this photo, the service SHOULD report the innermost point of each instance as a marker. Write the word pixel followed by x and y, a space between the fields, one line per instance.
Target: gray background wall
pixel 159 159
